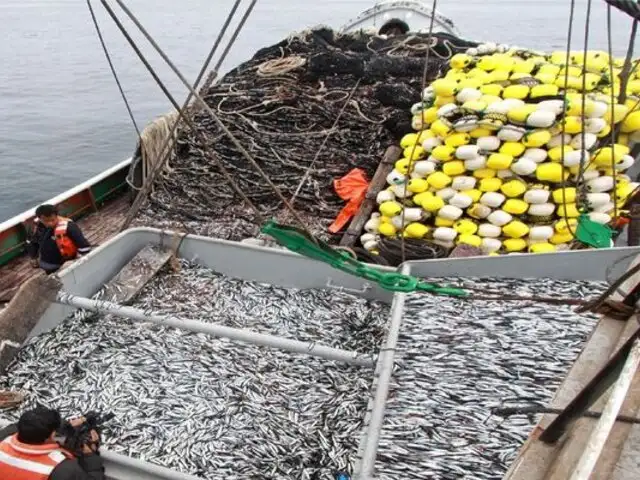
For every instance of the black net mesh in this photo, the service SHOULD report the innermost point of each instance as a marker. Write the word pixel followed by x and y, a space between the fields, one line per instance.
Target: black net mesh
pixel 282 117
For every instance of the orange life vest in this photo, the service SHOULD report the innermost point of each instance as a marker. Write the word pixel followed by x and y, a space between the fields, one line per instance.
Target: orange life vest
pixel 21 461
pixel 67 248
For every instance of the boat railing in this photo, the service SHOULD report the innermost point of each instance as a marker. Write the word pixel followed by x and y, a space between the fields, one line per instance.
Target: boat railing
pixel 75 203
pixel 383 10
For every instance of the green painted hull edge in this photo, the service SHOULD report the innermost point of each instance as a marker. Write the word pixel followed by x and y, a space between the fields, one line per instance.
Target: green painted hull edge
pixel 76 205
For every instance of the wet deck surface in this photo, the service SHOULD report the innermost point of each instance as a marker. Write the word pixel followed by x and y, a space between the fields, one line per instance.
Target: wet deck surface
pixel 97 227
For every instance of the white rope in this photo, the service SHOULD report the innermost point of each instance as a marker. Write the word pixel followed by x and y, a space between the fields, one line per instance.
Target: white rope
pixel 280 66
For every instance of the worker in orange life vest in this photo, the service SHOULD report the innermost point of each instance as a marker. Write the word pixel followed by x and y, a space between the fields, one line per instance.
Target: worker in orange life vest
pixel 55 240
pixel 28 451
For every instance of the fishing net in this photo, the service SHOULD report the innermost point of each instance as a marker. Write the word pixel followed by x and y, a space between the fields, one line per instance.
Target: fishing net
pixel 281 105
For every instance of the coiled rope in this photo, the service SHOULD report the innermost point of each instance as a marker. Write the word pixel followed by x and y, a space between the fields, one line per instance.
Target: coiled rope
pixel 280 66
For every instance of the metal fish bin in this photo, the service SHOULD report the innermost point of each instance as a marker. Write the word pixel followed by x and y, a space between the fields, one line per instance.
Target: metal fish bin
pixel 245 362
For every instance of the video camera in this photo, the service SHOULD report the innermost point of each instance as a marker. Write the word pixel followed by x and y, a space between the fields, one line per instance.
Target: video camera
pixel 74 438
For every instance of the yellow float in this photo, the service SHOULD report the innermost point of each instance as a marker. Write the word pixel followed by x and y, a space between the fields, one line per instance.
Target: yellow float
pixel 499 162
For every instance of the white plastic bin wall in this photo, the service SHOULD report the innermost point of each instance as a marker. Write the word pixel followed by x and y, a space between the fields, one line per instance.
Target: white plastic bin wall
pixel 595 265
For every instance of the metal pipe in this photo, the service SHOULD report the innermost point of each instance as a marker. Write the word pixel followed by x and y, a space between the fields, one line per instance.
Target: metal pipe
pixel 367 416
pixel 216 330
pixel 385 369
pixel 598 438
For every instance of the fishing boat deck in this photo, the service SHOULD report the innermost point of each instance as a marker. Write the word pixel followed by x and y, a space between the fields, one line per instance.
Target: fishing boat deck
pixel 97 227
pixel 428 431
pixel 262 407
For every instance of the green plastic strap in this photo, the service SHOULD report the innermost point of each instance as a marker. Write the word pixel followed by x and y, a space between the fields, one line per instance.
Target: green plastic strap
pixel 593 234
pixel 298 241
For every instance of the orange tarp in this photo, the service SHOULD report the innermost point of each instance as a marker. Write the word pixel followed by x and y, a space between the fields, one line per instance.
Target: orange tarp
pixel 352 188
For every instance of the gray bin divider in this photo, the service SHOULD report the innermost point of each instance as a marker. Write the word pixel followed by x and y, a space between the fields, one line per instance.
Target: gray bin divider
pixel 373 422
pixel 605 264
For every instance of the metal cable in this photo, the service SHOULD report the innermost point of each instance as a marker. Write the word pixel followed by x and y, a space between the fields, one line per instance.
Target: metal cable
pixel 626 69
pixel 129 177
pixel 572 10
pixel 166 150
pixel 231 41
pixel 580 187
pixel 422 125
pixel 213 115
pixel 113 70
pixel 613 107
pixel 181 112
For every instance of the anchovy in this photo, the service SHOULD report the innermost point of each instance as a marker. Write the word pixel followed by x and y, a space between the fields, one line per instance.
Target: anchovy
pixel 219 409
pixel 209 406
pixel 458 360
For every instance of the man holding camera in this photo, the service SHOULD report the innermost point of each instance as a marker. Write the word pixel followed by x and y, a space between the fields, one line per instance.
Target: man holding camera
pixel 28 450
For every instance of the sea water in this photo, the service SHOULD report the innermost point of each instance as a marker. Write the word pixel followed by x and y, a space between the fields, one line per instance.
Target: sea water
pixel 62 119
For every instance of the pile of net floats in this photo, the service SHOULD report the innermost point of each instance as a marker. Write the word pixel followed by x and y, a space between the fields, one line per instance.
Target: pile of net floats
pixel 511 149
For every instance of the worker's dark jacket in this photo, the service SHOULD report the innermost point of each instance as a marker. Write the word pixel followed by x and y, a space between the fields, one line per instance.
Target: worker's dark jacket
pixel 88 467
pixel 42 243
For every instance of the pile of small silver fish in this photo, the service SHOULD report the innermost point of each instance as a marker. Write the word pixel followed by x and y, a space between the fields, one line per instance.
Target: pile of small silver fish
pixel 208 406
pixel 220 409
pixel 457 360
